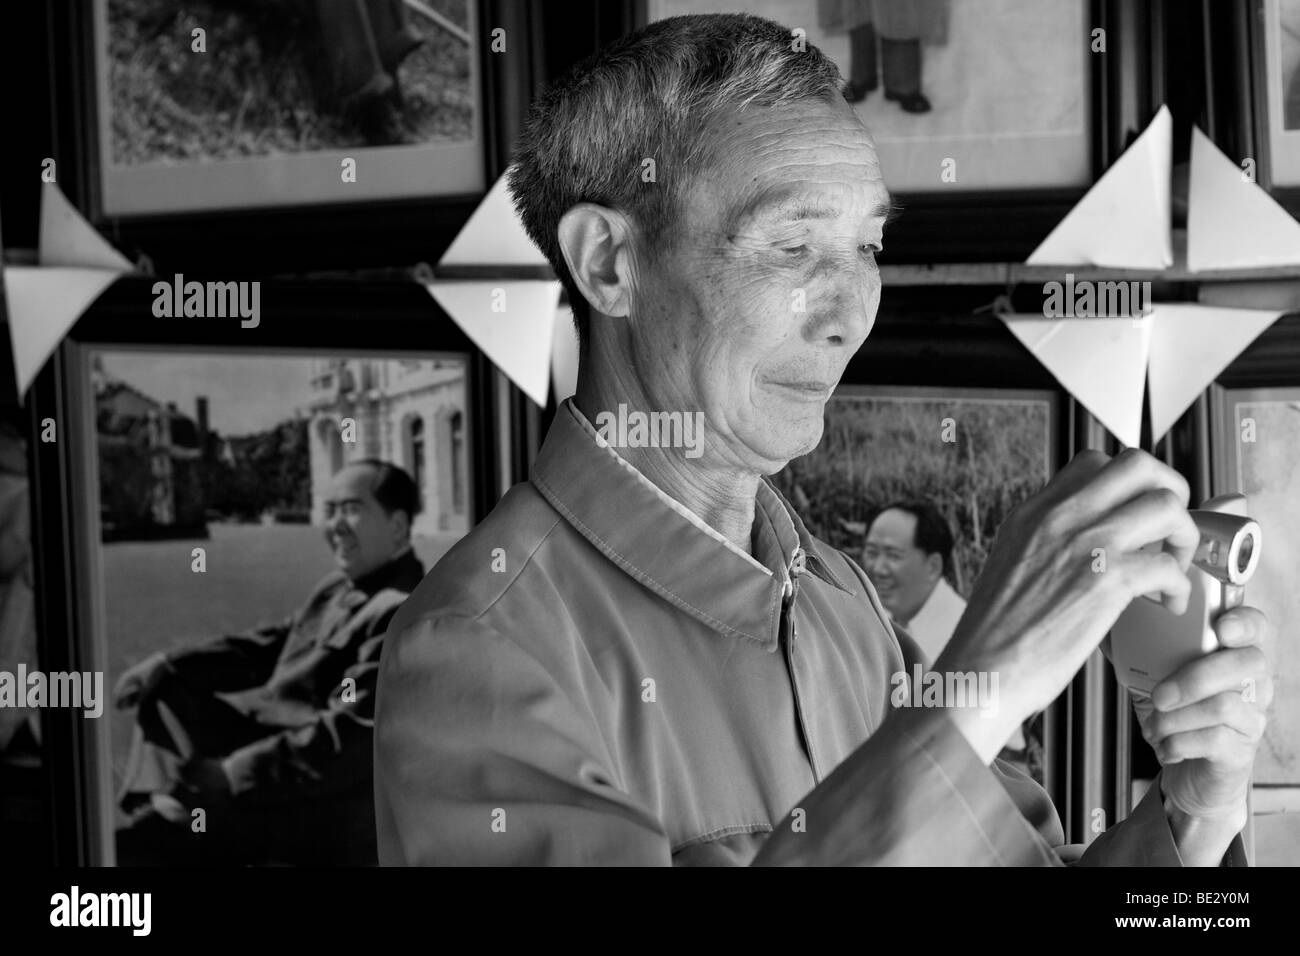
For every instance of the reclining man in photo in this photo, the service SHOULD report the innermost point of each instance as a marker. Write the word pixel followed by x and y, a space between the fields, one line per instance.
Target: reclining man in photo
pixel 642 656
pixel 270 733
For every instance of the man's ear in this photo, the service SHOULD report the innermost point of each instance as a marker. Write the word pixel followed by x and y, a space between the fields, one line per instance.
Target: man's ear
pixel 596 243
pixel 934 565
pixel 400 522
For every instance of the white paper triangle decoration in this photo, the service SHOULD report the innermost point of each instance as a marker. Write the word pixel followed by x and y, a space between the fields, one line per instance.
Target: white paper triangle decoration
pixel 494 235
pixel 1231 222
pixel 43 304
pixel 1123 220
pixel 1101 362
pixel 67 239
pixel 512 321
pixel 1190 346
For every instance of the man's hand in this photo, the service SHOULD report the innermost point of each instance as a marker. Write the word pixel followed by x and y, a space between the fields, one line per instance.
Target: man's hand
pixel 1063 567
pixel 139 681
pixel 1205 722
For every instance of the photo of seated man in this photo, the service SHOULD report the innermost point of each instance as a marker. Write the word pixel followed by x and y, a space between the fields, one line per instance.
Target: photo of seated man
pixel 269 733
pixel 907 555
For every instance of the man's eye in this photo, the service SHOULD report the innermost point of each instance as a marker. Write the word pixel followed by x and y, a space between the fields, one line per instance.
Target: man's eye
pixel 870 249
pixel 794 251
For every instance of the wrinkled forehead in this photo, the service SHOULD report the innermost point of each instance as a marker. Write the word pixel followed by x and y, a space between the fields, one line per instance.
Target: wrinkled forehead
pixel 806 159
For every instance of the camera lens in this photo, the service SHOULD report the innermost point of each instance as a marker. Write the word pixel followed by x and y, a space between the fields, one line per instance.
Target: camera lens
pixel 1243 555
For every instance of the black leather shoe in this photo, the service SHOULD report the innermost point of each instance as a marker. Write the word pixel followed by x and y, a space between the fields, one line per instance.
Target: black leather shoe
pixel 857 92
pixel 909 102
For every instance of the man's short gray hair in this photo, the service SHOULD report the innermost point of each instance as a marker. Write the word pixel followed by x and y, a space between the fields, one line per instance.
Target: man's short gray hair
pixel 648 96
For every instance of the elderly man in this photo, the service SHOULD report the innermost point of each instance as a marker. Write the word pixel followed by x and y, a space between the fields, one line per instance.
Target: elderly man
pixel 269 732
pixel 643 657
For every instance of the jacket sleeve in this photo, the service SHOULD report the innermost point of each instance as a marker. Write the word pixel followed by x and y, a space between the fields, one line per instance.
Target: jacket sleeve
pixel 481 757
pixel 232 662
pixel 333 752
pixel 1143 838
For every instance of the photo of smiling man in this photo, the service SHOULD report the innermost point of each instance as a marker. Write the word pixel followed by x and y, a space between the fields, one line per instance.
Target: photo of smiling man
pixel 269 732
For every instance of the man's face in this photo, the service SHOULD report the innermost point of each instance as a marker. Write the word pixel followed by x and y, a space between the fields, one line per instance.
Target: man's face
pixel 360 533
pixel 768 284
pixel 903 574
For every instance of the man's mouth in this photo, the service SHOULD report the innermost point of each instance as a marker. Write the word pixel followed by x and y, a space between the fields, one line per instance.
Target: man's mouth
pixel 808 390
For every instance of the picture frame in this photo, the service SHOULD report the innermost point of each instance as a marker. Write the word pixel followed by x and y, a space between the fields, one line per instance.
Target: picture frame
pixel 294 231
pixel 176 135
pixel 1006 223
pixel 1274 44
pixel 314 319
pixel 1263 385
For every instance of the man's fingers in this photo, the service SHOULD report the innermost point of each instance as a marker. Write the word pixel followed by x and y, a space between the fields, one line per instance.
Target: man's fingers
pixel 1155 573
pixel 1221 744
pixel 1158 515
pixel 1229 709
pixel 1129 474
pixel 1243 670
pixel 1245 626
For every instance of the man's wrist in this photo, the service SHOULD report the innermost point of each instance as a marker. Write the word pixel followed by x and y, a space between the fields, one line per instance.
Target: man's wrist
pixel 986 733
pixel 1201 840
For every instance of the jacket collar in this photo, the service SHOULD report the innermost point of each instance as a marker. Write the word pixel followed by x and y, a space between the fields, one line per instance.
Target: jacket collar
pixel 624 515
pixel 403 572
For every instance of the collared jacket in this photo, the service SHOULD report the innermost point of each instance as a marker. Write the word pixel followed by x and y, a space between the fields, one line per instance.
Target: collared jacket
pixel 592 677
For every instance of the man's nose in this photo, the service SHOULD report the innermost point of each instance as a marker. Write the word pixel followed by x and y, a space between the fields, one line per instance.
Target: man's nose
pixel 847 312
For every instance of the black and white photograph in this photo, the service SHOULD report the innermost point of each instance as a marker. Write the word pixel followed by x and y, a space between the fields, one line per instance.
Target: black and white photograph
pixel 994 93
pixel 1281 89
pixel 235 104
pixel 261 519
pixel 514 434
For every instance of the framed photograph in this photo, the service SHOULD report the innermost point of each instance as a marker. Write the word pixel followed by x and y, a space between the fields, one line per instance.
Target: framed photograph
pixel 255 510
pixel 1257 454
pixel 995 90
pixel 991 118
pixel 897 464
pixel 973 453
pixel 227 104
pixel 220 132
pixel 1275 50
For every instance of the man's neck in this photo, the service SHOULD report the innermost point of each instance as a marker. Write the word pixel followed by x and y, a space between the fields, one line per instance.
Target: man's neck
pixel 722 497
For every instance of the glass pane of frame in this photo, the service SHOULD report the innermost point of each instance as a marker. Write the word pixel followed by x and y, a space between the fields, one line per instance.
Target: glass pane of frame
pixel 238 534
pixel 977 94
pixel 213 106
pixel 970 454
pixel 1257 453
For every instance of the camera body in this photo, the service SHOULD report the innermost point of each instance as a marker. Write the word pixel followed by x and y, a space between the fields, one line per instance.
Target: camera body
pixel 1149 642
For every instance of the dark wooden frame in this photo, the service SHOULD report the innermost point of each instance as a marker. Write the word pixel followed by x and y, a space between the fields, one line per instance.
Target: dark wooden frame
pixel 1007 225
pixel 300 239
pixel 302 316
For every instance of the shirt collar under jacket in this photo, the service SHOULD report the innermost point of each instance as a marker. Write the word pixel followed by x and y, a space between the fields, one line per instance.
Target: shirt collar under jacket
pixel 669 549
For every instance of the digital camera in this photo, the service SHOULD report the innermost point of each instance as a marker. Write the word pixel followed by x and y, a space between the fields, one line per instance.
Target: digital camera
pixel 1149 642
